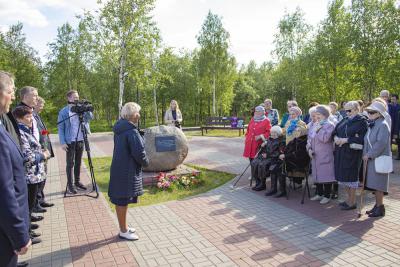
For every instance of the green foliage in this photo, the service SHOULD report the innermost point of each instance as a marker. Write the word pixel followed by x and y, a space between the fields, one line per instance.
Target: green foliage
pixel 116 54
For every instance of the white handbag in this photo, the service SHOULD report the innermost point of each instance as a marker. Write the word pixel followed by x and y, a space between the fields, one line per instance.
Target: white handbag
pixel 383 164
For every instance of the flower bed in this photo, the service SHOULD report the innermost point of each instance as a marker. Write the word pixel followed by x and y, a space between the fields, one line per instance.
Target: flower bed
pixel 171 182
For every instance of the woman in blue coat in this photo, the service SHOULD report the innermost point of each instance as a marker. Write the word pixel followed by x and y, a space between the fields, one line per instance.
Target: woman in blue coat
pixel 126 183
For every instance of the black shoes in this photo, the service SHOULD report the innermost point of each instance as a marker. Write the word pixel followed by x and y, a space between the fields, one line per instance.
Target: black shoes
pixel 260 188
pixel 378 212
pixel 33 234
pixel 270 193
pixel 71 189
pixel 371 210
pixel 345 206
pixel 36 240
pixel 22 264
pixel 34 226
pixel 281 194
pixel 80 186
pixel 36 218
pixel 39 209
pixel 46 205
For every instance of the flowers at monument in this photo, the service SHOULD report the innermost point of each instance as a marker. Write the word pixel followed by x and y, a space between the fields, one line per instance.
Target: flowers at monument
pixel 165 181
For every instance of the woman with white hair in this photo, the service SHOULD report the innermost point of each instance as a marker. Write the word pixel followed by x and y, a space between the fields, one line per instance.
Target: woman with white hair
pixel 274 148
pixel 349 140
pixel 377 144
pixel 129 155
pixel 320 150
pixel 173 115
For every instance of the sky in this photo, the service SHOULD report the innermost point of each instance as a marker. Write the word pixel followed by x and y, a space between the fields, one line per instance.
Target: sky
pixel 252 24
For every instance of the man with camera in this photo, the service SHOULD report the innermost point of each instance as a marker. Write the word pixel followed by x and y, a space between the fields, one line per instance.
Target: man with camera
pixel 71 137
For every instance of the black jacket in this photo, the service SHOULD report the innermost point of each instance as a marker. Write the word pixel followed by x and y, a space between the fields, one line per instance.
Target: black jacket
pixel 273 149
pixel 296 156
pixel 11 126
pixel 348 160
pixel 44 140
pixel 128 158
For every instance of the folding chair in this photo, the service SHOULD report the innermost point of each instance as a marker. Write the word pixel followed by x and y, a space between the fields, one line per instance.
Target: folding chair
pixel 304 174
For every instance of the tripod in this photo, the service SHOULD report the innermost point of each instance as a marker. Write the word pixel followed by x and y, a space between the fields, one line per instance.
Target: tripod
pixel 87 149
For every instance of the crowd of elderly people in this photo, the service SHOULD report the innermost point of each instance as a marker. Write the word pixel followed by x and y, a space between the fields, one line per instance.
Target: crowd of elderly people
pixel 349 148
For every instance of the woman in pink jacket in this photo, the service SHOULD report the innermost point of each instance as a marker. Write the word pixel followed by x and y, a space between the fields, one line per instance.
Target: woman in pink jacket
pixel 320 149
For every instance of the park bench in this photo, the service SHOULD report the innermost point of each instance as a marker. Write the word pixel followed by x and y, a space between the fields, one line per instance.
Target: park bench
pixel 221 123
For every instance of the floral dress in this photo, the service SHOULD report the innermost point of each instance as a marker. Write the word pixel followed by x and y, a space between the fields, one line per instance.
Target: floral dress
pixel 33 156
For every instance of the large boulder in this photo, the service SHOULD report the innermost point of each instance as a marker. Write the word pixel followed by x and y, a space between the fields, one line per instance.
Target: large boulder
pixel 166 148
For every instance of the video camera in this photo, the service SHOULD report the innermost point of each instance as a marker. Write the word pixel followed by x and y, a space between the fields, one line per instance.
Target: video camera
pixel 81 106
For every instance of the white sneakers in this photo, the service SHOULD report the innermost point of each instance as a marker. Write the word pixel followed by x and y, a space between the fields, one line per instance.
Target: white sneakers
pixel 322 200
pixel 129 235
pixel 325 200
pixel 316 197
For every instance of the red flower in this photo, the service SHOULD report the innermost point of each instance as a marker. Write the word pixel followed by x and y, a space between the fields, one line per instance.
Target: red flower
pixel 45 132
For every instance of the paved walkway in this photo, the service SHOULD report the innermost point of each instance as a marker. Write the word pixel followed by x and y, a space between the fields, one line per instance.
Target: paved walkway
pixel 219 228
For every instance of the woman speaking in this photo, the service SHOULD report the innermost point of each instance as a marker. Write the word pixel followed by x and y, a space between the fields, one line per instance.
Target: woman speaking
pixel 126 183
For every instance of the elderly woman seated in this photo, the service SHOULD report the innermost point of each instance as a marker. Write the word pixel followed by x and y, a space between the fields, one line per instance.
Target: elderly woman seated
pixel 295 155
pixel 267 162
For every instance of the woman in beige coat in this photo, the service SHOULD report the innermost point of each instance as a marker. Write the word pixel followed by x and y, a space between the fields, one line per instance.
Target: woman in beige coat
pixel 173 115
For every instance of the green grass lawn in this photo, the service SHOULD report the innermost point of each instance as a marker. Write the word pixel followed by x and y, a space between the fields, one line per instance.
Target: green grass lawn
pixel 217 133
pixel 152 195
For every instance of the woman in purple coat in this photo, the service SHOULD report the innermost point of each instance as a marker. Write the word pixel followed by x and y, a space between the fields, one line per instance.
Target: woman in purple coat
pixel 320 149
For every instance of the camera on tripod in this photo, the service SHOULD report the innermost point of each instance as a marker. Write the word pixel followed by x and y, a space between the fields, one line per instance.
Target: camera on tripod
pixel 82 106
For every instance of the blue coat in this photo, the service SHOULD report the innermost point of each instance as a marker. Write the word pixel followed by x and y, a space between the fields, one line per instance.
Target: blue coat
pixel 14 215
pixel 128 158
pixel 64 125
pixel 348 160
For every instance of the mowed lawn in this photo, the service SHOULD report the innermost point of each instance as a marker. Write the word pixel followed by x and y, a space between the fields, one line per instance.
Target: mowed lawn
pixel 153 195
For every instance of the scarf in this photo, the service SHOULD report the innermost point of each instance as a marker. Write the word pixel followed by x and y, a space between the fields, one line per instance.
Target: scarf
pixel 323 122
pixel 259 118
pixel 292 126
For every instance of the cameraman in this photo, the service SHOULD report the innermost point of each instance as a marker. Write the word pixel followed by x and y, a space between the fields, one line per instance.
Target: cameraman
pixel 71 139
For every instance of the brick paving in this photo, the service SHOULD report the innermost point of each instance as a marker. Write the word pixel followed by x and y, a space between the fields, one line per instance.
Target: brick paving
pixel 223 227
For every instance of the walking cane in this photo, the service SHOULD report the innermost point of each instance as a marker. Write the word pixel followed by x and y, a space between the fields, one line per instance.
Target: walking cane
pixel 362 193
pixel 238 179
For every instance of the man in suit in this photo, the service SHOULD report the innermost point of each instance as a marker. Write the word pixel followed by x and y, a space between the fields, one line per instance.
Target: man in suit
pixel 14 223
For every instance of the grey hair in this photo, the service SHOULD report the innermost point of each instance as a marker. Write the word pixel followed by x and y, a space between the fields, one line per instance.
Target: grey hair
pixel 129 109
pixel 312 110
pixel 26 90
pixel 353 105
pixel 6 79
pixel 384 93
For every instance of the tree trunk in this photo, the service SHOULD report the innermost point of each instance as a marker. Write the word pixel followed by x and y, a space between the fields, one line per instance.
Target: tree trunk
pixel 121 77
pixel 213 99
pixel 155 104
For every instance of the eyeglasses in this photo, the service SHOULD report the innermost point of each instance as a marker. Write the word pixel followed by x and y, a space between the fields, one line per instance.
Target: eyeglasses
pixel 348 110
pixel 372 112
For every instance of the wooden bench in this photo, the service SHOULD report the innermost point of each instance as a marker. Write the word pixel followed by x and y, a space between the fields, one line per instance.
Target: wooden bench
pixel 221 123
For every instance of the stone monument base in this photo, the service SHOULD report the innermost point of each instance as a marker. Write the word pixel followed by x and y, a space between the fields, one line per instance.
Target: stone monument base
pixel 150 178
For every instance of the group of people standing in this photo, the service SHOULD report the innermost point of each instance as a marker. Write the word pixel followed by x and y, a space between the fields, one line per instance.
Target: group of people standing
pixel 24 151
pixel 344 148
